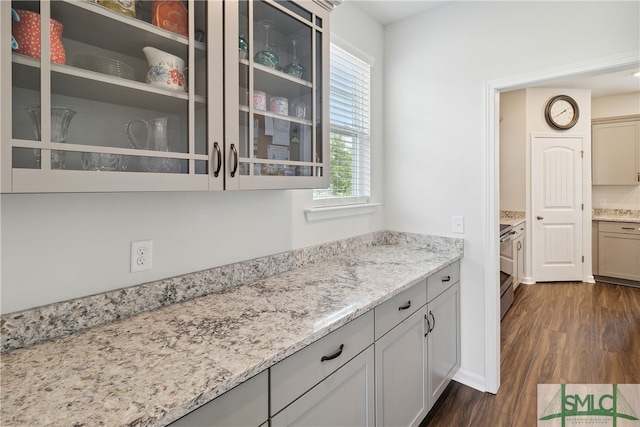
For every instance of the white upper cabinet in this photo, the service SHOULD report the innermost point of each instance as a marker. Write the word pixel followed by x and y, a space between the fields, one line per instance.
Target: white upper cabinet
pixel 111 102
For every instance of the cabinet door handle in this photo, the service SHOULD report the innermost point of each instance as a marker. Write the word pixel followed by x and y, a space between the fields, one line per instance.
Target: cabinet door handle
pixel 216 172
pixel 333 355
pixel 404 307
pixel 235 160
pixel 434 321
pixel 446 278
pixel 426 318
pixel 519 245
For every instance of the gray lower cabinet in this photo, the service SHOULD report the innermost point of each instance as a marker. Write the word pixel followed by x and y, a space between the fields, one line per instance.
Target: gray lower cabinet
pixel 402 396
pixel 243 406
pixel 344 398
pixel 518 254
pixel 619 250
pixel 594 247
pixel 443 341
pixel 417 357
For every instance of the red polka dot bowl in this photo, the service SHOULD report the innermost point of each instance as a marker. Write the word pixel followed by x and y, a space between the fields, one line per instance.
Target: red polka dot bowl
pixel 27 34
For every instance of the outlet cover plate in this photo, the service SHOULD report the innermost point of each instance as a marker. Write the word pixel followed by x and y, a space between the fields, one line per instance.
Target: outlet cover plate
pixel 457 224
pixel 141 255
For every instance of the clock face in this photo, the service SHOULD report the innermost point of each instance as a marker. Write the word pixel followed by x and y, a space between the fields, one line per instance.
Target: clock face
pixel 562 112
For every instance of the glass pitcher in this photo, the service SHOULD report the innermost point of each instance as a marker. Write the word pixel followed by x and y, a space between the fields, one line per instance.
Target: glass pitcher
pixel 157 140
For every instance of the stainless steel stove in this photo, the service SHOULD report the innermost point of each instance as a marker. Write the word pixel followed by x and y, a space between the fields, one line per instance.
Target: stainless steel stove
pixel 506 268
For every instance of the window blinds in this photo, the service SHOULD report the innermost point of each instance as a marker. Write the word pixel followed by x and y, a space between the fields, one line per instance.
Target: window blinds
pixel 349 111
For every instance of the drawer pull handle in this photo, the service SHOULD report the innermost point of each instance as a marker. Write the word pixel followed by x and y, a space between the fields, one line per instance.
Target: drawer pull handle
pixel 446 278
pixel 334 355
pixel 235 161
pixel 219 154
pixel 628 228
pixel 426 317
pixel 404 307
pixel 434 321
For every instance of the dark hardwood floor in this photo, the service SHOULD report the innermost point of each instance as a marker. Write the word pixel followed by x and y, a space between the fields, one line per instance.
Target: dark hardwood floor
pixel 554 333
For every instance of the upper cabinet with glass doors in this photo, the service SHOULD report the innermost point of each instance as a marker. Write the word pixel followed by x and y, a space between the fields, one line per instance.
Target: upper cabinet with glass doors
pixel 112 99
pixel 276 75
pixel 133 96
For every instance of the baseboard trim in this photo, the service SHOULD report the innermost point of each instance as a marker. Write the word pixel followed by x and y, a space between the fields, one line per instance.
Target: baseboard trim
pixel 470 379
pixel 616 281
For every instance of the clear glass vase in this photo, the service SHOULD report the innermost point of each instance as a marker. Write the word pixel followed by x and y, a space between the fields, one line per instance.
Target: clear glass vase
pixel 60 120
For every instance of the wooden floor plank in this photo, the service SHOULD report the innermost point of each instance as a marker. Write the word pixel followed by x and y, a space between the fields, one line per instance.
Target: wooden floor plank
pixel 554 333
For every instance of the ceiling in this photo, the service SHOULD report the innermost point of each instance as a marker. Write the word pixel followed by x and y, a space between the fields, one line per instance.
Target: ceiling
pixel 601 84
pixel 390 11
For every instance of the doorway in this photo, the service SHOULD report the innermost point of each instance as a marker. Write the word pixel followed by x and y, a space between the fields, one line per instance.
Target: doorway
pixel 627 61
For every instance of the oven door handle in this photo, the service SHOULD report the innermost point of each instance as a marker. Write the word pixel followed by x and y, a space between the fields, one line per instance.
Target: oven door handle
pixel 507 236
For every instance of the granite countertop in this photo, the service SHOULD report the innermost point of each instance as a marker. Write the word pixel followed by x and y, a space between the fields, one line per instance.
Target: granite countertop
pixel 616 219
pixel 616 215
pixel 512 218
pixel 154 367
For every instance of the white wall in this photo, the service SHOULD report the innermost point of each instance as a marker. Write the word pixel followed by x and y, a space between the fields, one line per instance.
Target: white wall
pixel 61 246
pixel 436 68
pixel 513 142
pixel 625 104
pixel 616 196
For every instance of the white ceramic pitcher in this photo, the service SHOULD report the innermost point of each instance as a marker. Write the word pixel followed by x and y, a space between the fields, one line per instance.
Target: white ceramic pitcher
pixel 165 70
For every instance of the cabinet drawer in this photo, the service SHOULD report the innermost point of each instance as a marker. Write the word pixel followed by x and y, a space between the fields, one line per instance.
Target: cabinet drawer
pixel 345 398
pixel 299 372
pixel 519 229
pixel 398 308
pixel 439 281
pixel 619 227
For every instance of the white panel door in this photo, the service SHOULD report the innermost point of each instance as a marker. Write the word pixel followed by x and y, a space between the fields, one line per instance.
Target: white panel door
pixel 556 196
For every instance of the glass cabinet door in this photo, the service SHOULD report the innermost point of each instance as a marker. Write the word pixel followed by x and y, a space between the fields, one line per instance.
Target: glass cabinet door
pixel 112 98
pixel 275 65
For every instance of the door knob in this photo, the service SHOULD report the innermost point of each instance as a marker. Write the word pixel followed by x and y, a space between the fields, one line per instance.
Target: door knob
pixel 540 217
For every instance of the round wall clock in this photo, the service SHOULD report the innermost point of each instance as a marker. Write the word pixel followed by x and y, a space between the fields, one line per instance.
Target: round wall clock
pixel 562 112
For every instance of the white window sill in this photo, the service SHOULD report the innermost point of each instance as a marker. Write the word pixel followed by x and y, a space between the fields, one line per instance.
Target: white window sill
pixel 330 212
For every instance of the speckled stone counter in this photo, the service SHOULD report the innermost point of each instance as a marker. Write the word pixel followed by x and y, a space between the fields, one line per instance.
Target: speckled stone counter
pixel 512 218
pixel 154 367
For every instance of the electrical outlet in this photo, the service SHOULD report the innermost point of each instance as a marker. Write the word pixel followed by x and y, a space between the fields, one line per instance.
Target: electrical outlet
pixel 141 255
pixel 457 224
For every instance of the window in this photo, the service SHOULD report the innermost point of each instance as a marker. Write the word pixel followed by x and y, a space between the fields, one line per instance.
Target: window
pixel 349 111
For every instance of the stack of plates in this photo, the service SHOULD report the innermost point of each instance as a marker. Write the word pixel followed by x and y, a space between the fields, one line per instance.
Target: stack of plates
pixel 113 67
